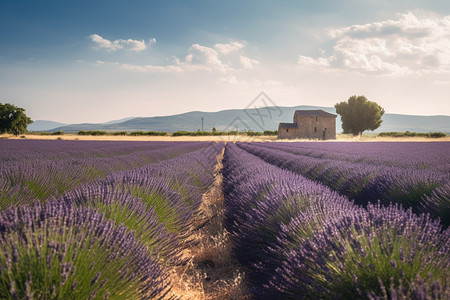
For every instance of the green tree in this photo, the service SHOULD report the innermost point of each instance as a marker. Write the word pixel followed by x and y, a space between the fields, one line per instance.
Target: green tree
pixel 13 119
pixel 359 114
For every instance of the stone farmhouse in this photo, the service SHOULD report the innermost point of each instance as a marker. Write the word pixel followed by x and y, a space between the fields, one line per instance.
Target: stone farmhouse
pixel 309 124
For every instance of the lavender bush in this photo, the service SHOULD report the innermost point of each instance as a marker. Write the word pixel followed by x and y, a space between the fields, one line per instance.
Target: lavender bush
pixel 46 169
pixel 110 237
pixel 157 201
pixel 424 190
pixel 58 251
pixel 261 199
pixel 416 155
pixel 129 211
pixel 298 239
pixel 359 255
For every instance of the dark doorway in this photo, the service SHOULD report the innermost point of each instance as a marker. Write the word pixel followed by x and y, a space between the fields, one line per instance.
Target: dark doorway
pixel 323 134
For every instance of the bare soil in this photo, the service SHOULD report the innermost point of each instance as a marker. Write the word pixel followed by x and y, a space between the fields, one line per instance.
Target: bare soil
pixel 210 272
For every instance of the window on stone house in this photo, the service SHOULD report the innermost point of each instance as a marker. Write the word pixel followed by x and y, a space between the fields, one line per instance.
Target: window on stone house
pixel 287 130
pixel 315 129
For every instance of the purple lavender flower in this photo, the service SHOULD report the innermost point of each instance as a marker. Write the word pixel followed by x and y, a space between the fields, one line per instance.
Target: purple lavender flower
pixel 369 177
pixel 299 238
pixel 122 252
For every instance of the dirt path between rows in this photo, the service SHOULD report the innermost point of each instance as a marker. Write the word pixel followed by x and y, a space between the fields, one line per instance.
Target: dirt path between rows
pixel 211 272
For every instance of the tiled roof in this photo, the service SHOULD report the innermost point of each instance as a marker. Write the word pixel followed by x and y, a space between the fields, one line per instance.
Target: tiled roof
pixel 314 113
pixel 288 125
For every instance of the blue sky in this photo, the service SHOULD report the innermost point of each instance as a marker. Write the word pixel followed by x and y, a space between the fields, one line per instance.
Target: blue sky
pixel 95 61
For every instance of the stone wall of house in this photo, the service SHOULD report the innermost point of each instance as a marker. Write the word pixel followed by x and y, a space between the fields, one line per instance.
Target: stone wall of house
pixel 309 127
pixel 316 127
pixel 287 133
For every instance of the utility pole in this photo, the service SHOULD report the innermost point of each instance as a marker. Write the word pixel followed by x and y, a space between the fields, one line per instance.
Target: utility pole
pixel 202 123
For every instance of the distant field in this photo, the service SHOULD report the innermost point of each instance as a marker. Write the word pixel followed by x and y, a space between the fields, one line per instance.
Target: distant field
pixel 230 138
pixel 145 138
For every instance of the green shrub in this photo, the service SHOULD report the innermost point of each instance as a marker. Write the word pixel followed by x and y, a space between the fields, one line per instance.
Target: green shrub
pixel 92 132
pixel 188 133
pixel 270 132
pixel 150 133
pixel 436 134
pixel 254 133
pixel 413 134
pixel 136 133
pixel 156 133
pixel 120 133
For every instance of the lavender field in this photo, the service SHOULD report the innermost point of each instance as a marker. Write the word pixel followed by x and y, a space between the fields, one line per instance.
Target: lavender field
pixel 85 220
pixel 109 220
pixel 312 220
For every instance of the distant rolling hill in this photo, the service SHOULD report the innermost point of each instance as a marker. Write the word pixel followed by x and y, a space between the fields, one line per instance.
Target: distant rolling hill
pixel 119 121
pixel 253 119
pixel 396 122
pixel 43 125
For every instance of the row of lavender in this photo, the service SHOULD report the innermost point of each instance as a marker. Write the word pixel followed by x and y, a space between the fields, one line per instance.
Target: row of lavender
pixel 44 170
pixel 424 190
pixel 417 155
pixel 299 239
pixel 110 238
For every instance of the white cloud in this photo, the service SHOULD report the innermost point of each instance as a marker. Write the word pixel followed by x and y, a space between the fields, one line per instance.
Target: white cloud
pixel 226 49
pixel 221 58
pixel 129 44
pixel 247 62
pixel 232 80
pixel 228 80
pixel 152 69
pixel 412 43
pixel 309 61
pixel 203 58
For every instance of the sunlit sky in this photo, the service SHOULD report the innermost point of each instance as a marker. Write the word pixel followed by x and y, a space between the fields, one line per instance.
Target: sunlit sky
pixel 96 61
